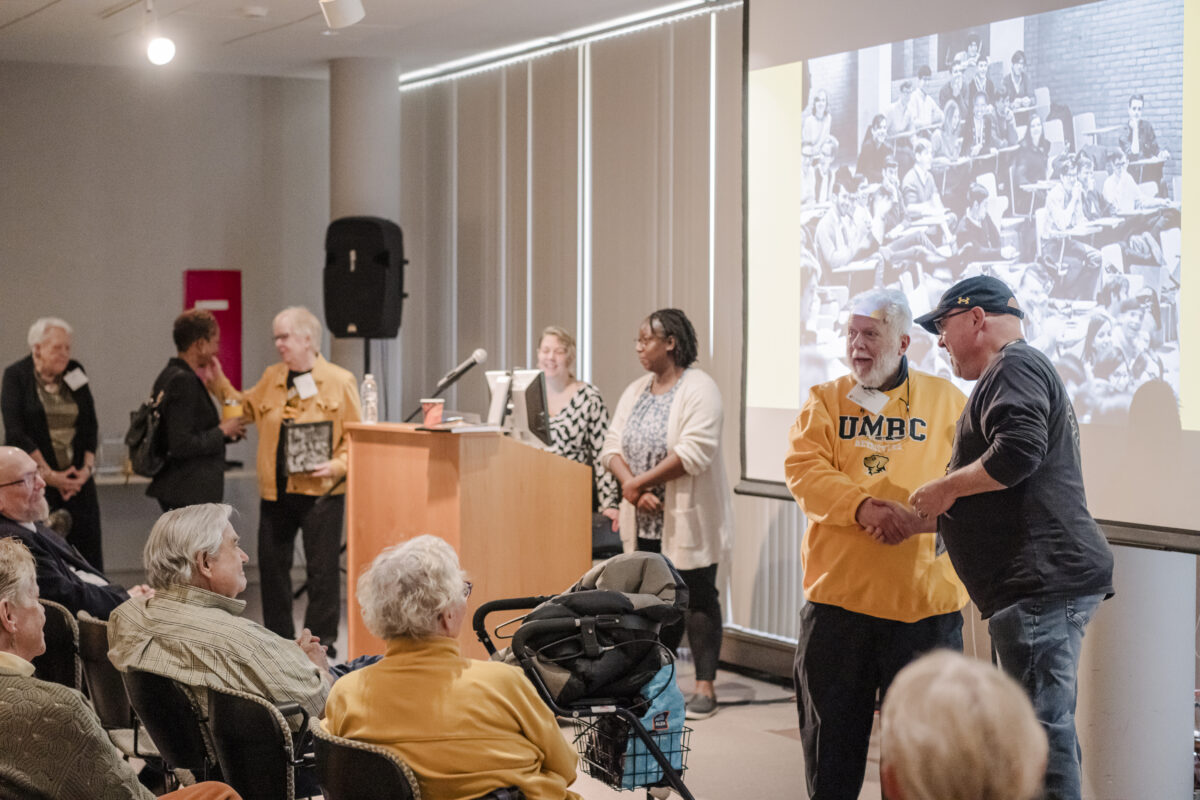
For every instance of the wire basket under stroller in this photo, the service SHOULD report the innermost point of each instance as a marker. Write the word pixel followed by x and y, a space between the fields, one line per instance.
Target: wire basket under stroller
pixel 594 657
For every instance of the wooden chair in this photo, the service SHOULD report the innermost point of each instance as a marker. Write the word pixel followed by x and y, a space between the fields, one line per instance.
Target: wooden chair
pixel 1083 125
pixel 1056 137
pixel 60 663
pixel 1041 101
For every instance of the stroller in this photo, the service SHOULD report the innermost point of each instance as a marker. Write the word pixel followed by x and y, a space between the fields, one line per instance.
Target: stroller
pixel 594 656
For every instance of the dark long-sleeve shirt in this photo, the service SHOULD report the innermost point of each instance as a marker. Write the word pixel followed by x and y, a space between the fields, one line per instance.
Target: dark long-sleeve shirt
pixel 59 572
pixel 1035 538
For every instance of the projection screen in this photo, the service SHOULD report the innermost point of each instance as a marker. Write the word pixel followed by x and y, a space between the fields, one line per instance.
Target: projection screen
pixel 844 100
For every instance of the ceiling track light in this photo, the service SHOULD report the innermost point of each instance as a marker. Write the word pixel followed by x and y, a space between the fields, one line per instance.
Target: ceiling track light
pixel 159 49
pixel 342 13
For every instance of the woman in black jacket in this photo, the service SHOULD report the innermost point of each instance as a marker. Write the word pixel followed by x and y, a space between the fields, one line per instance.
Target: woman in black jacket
pixel 49 413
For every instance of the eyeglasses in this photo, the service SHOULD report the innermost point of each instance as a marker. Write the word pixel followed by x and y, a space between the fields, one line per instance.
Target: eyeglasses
pixel 29 479
pixel 939 325
pixel 645 341
pixel 552 351
pixel 467 587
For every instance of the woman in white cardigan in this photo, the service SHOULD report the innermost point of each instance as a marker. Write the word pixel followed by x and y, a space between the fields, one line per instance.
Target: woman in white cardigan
pixel 664 446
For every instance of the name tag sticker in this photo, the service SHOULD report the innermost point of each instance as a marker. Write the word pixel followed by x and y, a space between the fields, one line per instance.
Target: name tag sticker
pixel 75 378
pixel 872 400
pixel 306 387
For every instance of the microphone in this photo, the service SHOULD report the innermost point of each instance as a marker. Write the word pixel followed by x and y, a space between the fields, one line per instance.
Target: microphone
pixel 478 357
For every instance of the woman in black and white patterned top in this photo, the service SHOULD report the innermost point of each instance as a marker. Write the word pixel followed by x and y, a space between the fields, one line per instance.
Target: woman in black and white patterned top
pixel 578 416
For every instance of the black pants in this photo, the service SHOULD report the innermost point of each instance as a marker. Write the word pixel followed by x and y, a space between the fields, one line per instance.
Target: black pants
pixel 320 520
pixel 703 617
pixel 84 508
pixel 842 660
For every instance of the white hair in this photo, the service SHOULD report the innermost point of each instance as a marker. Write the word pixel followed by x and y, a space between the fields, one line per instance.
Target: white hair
pixel 37 331
pixel 18 574
pixel 178 536
pixel 889 306
pixel 305 322
pixel 956 728
pixel 408 586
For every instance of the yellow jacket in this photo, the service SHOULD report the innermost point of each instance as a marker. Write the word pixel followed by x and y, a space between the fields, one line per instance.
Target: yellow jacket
pixel 265 403
pixel 832 466
pixel 465 727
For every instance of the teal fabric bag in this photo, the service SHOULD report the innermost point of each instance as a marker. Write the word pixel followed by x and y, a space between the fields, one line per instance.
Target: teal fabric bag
pixel 664 722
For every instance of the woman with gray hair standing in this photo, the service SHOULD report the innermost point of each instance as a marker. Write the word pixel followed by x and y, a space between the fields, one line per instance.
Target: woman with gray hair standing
pixel 49 413
pixel 465 727
pixel 303 389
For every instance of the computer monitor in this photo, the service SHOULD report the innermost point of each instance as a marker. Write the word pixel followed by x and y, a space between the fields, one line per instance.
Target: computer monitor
pixel 519 404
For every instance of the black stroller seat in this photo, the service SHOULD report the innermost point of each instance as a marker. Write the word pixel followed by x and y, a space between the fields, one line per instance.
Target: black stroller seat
pixel 591 651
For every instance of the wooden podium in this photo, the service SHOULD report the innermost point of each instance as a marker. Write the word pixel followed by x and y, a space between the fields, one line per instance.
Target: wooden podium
pixel 519 517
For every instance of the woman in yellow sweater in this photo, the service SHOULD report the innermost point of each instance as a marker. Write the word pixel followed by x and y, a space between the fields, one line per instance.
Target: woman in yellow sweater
pixel 465 727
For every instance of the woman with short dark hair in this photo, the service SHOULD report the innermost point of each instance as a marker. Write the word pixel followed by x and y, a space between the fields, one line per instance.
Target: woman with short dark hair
pixel 664 446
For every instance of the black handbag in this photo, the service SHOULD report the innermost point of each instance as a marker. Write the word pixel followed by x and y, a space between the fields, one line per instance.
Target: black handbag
pixel 146 456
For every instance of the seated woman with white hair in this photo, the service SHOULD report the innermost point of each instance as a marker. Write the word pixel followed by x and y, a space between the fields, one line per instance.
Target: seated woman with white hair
pixel 465 727
pixel 956 728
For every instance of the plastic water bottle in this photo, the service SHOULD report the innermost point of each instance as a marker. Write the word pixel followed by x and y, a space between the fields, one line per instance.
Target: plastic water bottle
pixel 369 393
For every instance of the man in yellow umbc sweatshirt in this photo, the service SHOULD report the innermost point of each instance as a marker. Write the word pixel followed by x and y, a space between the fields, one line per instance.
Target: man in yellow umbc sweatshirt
pixel 878 592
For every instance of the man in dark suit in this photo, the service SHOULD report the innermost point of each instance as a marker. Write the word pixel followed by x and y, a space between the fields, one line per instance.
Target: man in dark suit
pixel 192 431
pixel 63 575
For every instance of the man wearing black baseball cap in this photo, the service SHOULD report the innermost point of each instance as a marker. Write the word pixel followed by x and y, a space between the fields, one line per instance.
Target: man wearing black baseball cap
pixel 983 291
pixel 1012 512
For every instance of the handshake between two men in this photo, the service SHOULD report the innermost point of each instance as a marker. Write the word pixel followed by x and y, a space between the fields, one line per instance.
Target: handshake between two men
pixel 892 522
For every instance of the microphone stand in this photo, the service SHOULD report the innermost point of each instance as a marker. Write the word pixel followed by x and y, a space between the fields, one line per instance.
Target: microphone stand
pixel 442 386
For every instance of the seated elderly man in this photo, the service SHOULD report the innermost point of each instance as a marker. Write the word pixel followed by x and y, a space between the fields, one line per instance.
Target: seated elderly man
pixel 191 629
pixel 955 728
pixel 465 727
pixel 63 575
pixel 46 727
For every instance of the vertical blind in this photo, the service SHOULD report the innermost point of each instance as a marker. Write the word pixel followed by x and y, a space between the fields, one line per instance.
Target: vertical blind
pixel 586 188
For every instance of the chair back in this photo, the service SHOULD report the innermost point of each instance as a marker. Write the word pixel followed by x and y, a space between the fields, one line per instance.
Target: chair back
pixel 102 678
pixel 1041 101
pixel 60 662
pixel 1083 125
pixel 253 744
pixel 1056 136
pixel 1039 227
pixel 350 770
pixel 173 721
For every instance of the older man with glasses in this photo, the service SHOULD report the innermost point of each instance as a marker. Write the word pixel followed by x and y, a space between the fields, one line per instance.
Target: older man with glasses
pixel 1012 513
pixel 63 574
pixel 46 727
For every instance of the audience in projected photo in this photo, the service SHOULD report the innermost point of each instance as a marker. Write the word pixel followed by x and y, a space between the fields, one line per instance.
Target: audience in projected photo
pixel 973 168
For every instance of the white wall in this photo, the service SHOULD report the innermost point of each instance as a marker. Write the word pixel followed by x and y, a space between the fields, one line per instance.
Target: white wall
pixel 115 181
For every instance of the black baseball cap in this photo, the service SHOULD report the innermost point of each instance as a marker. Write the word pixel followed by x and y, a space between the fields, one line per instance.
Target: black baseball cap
pixel 990 294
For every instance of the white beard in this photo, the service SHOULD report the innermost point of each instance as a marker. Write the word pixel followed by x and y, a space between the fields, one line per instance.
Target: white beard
pixel 881 372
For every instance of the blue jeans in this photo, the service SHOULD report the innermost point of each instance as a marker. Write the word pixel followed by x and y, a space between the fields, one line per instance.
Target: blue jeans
pixel 1038 643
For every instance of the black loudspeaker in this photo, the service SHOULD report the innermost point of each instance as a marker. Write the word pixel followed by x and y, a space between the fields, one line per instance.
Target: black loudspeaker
pixel 364 277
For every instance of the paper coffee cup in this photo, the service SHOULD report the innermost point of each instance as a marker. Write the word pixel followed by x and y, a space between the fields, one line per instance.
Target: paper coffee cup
pixel 432 406
pixel 231 410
